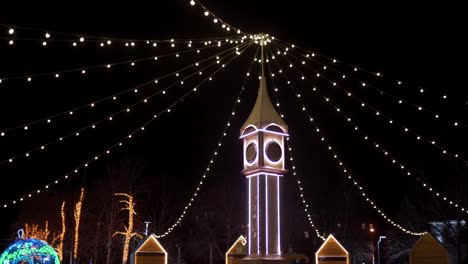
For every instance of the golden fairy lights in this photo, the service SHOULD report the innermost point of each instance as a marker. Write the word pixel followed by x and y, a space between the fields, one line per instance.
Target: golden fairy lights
pixel 386 153
pixel 345 171
pixel 215 19
pixel 77 216
pixel 212 160
pixel 75 40
pixel 83 70
pixel 127 108
pixel 129 205
pixel 291 159
pixel 113 97
pixel 123 140
pixel 379 114
pixel 310 55
pixel 397 100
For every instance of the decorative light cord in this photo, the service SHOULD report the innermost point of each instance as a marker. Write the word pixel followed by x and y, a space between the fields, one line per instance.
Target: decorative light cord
pixel 389 156
pixel 84 69
pixel 119 143
pixel 216 19
pixel 291 159
pixel 422 90
pixel 212 160
pixel 390 121
pixel 91 105
pixel 344 169
pixel 397 100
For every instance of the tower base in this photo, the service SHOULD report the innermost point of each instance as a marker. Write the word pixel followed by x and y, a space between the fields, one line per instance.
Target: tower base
pixel 265 260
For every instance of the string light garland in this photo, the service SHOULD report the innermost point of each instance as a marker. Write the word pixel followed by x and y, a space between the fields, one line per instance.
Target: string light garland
pixel 418 108
pixel 123 110
pixel 343 168
pixel 44 37
pixel 85 69
pixel 128 234
pixel 388 155
pixel 379 114
pixel 291 159
pixel 91 105
pixel 216 20
pixel 377 74
pixel 77 215
pixel 213 156
pixel 123 140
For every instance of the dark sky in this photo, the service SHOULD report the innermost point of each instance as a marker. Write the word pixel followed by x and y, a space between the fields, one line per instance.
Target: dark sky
pixel 423 43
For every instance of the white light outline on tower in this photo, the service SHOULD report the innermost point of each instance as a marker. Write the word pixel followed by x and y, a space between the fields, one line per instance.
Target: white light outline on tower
pixel 266 214
pixel 258 215
pixel 278 206
pixel 250 216
pixel 255 142
pixel 268 141
pixel 262 173
pixel 265 131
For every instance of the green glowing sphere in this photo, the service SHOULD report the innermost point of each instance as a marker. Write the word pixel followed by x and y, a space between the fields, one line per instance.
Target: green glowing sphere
pixel 29 251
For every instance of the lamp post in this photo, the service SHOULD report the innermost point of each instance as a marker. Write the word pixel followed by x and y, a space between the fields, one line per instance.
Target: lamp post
pixel 378 248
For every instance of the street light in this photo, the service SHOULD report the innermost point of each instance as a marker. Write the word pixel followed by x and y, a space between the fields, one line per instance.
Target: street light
pixel 378 248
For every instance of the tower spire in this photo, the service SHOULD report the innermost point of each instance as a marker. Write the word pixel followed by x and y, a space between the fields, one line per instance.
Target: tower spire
pixel 263 113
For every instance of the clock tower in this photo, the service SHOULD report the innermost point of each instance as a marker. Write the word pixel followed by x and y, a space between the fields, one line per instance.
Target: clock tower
pixel 263 136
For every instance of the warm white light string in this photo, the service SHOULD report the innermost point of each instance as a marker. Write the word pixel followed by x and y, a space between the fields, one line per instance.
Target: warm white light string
pixel 126 109
pixel 389 156
pixel 120 142
pixel 216 20
pixel 344 170
pixel 58 74
pixel 92 105
pixel 212 159
pixel 419 108
pixel 354 68
pixel 379 114
pixel 14 32
pixel 291 159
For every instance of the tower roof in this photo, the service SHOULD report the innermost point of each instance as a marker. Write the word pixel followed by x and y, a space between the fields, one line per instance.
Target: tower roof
pixel 264 114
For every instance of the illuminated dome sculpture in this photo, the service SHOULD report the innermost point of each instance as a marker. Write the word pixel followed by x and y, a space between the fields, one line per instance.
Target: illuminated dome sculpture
pixel 29 251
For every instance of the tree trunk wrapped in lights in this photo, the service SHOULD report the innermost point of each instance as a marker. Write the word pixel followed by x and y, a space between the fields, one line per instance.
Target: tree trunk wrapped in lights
pixel 77 215
pixel 62 233
pixel 128 233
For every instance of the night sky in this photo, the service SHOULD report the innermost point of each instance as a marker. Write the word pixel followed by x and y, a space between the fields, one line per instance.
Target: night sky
pixel 423 44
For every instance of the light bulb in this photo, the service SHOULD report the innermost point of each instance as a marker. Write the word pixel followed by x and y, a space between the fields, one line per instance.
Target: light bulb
pixel 81 39
pixel 206 13
pixel 47 35
pixel 11 31
pixel 192 2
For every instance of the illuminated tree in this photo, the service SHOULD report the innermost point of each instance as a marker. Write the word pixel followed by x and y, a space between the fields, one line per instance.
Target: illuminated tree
pixel 62 233
pixel 77 215
pixel 128 233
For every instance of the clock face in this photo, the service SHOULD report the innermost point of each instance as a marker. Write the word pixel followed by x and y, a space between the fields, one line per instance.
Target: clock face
pixel 274 151
pixel 251 152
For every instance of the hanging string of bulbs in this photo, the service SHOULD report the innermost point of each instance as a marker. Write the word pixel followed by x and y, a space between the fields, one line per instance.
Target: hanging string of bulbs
pixel 213 158
pixel 444 97
pixel 379 114
pixel 216 20
pixel 123 140
pixel 15 33
pixel 132 63
pixel 128 108
pixel 387 154
pixel 291 160
pixel 136 89
pixel 395 99
pixel 341 164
